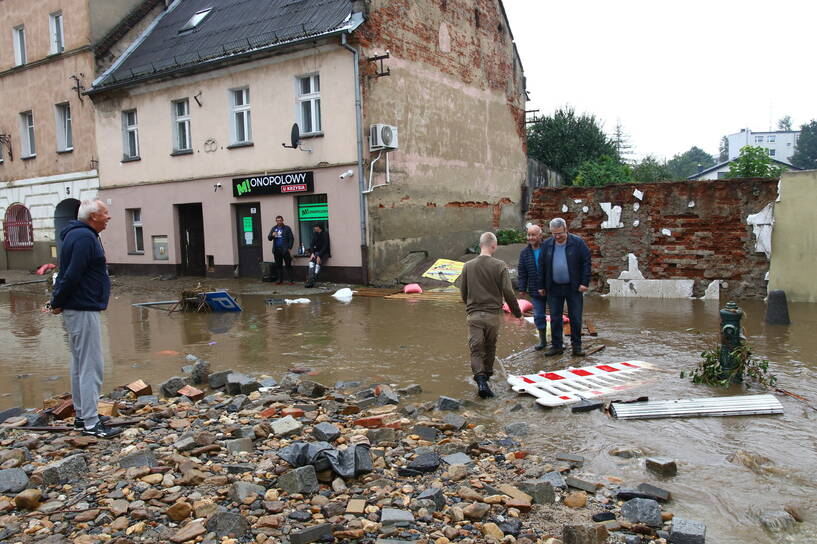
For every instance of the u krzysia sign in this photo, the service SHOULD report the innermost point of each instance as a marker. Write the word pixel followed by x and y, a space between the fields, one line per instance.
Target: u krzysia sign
pixel 273 184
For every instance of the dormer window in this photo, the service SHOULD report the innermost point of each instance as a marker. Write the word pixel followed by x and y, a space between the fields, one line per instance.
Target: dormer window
pixel 195 20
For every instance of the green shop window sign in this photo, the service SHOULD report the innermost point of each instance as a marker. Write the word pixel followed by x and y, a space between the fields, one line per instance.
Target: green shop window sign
pixel 247 224
pixel 313 212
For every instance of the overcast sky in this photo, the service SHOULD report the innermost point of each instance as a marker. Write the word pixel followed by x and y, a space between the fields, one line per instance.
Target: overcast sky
pixel 675 74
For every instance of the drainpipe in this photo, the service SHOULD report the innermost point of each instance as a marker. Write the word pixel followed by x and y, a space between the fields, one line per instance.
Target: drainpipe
pixel 361 173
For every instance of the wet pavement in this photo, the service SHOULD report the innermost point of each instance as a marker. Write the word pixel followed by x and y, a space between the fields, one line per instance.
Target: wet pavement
pixel 730 469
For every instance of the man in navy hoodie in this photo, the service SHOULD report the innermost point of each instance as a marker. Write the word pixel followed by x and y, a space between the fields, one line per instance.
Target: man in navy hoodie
pixel 531 283
pixel 81 292
pixel 565 269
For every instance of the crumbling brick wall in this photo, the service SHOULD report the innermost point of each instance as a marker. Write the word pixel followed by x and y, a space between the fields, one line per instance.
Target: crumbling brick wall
pixel 708 239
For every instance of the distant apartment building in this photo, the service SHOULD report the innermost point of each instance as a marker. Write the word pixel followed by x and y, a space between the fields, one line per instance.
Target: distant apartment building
pixel 410 117
pixel 49 52
pixel 780 144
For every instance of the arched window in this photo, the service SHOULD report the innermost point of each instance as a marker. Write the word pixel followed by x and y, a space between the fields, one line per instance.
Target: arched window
pixel 17 229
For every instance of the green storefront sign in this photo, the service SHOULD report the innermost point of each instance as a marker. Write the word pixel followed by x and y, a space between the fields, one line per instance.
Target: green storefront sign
pixel 313 212
pixel 247 224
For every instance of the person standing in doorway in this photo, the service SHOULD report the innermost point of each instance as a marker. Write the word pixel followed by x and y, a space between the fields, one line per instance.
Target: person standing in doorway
pixel 484 282
pixel 565 267
pixel 80 294
pixel 319 251
pixel 530 282
pixel 282 241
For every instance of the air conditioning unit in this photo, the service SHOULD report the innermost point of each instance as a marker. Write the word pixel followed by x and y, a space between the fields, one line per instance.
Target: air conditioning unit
pixel 382 137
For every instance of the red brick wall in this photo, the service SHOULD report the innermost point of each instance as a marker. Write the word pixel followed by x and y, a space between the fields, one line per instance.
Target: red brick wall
pixel 710 240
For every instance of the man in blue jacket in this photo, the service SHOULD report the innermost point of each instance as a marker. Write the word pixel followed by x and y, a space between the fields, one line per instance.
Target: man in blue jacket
pixel 282 241
pixel 565 267
pixel 81 292
pixel 530 282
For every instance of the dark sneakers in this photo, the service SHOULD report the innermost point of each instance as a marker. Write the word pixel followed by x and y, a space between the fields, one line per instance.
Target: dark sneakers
pixel 554 351
pixel 79 424
pixel 102 431
pixel 578 351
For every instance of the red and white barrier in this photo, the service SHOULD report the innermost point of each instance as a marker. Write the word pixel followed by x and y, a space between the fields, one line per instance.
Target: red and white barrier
pixel 560 387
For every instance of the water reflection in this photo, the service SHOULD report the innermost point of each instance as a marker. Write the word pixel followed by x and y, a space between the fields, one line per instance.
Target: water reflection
pixel 403 342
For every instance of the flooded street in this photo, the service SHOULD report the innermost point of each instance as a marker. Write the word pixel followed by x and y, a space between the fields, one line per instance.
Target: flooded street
pixel 730 469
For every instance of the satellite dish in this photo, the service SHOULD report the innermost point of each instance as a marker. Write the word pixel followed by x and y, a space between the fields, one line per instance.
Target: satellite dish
pixel 294 137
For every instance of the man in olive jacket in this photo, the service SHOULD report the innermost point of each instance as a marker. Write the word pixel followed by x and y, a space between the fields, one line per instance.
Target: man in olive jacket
pixel 483 284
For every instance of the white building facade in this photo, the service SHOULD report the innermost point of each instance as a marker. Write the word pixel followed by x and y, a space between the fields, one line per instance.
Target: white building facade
pixel 780 144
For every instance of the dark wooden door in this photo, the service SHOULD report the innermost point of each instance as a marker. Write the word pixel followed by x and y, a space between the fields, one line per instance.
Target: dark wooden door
pixel 250 243
pixel 191 234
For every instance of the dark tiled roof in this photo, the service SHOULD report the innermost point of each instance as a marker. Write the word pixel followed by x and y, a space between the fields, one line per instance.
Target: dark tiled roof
pixel 232 28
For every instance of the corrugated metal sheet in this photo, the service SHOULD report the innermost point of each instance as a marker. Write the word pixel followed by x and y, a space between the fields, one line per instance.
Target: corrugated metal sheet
pixel 745 405
pixel 232 27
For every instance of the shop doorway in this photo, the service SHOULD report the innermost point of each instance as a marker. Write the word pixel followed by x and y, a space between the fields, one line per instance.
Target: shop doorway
pixel 64 212
pixel 250 243
pixel 191 235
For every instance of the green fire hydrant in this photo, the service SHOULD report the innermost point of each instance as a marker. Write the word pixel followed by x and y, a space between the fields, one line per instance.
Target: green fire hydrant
pixel 731 337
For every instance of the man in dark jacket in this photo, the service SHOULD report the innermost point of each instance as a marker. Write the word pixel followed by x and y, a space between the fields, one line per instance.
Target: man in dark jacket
pixel 81 292
pixel 320 251
pixel 282 241
pixel 530 282
pixel 565 267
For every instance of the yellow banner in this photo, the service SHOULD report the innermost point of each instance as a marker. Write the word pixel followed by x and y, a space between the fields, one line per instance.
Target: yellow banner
pixel 445 270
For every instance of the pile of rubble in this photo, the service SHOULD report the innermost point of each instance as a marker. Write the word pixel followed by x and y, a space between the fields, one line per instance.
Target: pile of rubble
pixel 253 460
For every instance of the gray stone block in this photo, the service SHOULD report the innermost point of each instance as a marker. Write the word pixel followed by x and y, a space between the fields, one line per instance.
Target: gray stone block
pixel 642 511
pixel 241 490
pixel 218 379
pixel 687 531
pixel 238 445
pixel 238 383
pixel 584 533
pixel 395 517
pixel 448 404
pixel 201 372
pixel 542 491
pixel 425 462
pixel 572 458
pixel 186 443
pixel 238 403
pixel 457 422
pixel 299 480
pixel 321 532
pixel 459 459
pixel 584 485
pixel 325 432
pixel 228 524
pixel 13 480
pixel 555 479
pixel 378 436
pixel 435 495
pixel 655 492
pixel 519 428
pixel 413 389
pixel 151 400
pixel 286 426
pixel 171 387
pixel 662 465
pixel 429 434
pixel 141 458
pixel 268 382
pixel 312 389
pixel 69 469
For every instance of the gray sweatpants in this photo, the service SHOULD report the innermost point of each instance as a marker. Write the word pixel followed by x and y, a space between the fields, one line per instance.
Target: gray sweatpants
pixel 85 341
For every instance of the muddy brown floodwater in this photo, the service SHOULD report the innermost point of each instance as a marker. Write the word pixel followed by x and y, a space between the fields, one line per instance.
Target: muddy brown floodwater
pixel 730 469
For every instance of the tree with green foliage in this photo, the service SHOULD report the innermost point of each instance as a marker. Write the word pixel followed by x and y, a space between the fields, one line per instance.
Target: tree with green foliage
pixel 689 162
pixel 805 152
pixel 650 169
pixel 754 162
pixel 784 123
pixel 723 149
pixel 564 140
pixel 603 171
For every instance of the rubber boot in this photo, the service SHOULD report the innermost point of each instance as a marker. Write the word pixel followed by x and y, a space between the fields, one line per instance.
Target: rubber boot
pixel 543 341
pixel 310 278
pixel 483 390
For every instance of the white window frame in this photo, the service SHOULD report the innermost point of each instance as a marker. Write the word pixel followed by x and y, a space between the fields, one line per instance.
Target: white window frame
pixel 57 35
pixel 772 152
pixel 240 115
pixel 65 135
pixel 309 102
pixel 127 130
pixel 758 139
pixel 28 141
pixel 196 19
pixel 19 39
pixel 181 125
pixel 137 231
pixel 772 138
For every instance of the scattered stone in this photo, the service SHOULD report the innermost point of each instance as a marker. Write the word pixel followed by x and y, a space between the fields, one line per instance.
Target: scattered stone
pixel 491 530
pixel 312 534
pixel 435 495
pixel 325 432
pixel 238 445
pixel 69 469
pixel 572 458
pixel 429 434
pixel 189 532
pixel 584 485
pixel 299 480
pixel 395 517
pixel 519 428
pixel 201 372
pixel 311 389
pixel 654 492
pixel 425 462
pixel 143 458
pixel 775 520
pixel 217 380
pixel 603 516
pixel 13 480
pixel 625 453
pixel 171 387
pixel 555 479
pixel 456 422
pixel 687 531
pixel 584 533
pixel 241 384
pixel 228 524
pixel 379 436
pixel 587 406
pixel 541 491
pixel 458 459
pixel 356 506
pixel 241 490
pixel 286 426
pixel 413 389
pixel 476 511
pixel 662 465
pixel 576 499
pixel 179 511
pixel 448 404
pixel 28 499
pixel 642 511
